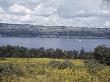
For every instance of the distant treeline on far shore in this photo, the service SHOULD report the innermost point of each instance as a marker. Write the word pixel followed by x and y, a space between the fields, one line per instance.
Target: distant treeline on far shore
pixel 100 53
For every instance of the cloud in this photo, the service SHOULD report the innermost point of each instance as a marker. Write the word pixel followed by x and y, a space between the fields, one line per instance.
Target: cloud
pixel 44 10
pixel 74 8
pixel 16 8
pixel 56 12
pixel 107 23
pixel 23 18
pixel 5 17
pixel 107 2
pixel 1 10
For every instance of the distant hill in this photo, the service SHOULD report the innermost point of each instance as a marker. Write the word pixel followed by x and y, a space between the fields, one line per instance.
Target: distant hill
pixel 28 30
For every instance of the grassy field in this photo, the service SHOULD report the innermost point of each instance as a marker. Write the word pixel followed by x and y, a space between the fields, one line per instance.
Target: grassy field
pixel 52 70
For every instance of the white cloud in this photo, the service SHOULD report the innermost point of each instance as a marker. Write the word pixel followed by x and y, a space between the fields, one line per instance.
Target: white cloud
pixel 16 8
pixel 23 18
pixel 107 24
pixel 10 18
pixel 85 8
pixel 5 17
pixel 56 12
pixel 1 10
pixel 44 10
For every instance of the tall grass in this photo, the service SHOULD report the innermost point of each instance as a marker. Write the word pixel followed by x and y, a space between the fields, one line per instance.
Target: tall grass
pixel 52 70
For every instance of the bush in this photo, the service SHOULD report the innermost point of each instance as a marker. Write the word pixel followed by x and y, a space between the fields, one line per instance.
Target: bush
pixel 1 58
pixel 60 65
pixel 8 69
pixel 93 66
pixel 102 54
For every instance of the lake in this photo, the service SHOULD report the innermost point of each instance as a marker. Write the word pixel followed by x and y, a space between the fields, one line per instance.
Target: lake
pixel 65 44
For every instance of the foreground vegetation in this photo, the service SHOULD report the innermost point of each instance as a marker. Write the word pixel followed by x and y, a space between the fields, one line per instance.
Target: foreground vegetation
pixel 52 70
pixel 20 64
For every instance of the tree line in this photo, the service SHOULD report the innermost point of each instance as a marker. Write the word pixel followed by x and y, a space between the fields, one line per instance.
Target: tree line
pixel 100 53
pixel 17 51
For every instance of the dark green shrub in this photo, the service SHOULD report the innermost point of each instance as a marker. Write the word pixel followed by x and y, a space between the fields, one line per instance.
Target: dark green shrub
pixel 1 58
pixel 8 69
pixel 102 54
pixel 93 66
pixel 60 65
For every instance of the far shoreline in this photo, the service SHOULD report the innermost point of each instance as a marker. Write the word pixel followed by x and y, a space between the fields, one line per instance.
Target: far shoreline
pixel 54 37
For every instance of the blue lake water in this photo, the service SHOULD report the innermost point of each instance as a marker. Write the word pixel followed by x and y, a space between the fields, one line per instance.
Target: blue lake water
pixel 65 44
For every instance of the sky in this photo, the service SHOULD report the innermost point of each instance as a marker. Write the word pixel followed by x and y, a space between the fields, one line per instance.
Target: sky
pixel 76 13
